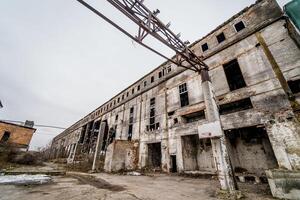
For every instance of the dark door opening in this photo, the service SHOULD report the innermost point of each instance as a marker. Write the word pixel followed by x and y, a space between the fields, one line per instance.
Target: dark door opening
pixel 173 164
pixel 154 155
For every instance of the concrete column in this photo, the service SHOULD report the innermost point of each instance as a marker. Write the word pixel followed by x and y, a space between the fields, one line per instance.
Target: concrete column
pixel 99 143
pixel 220 153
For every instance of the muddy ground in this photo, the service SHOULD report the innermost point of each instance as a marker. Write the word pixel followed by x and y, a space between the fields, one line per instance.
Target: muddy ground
pixel 119 187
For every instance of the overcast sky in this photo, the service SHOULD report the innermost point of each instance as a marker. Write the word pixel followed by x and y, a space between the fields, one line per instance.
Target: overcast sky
pixel 59 61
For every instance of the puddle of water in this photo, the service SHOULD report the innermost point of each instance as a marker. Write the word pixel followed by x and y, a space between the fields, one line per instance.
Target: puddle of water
pixel 25 179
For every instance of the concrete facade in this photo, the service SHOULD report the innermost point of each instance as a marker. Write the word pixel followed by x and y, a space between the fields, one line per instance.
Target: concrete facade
pixel 254 66
pixel 16 135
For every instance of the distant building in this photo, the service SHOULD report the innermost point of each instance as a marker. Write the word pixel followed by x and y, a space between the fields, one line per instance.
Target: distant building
pixel 16 135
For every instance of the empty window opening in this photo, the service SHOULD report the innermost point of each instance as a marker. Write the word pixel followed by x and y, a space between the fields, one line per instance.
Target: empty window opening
pixel 82 134
pixel 197 154
pixel 154 155
pixel 175 120
pixel 145 83
pixel 117 116
pixel 250 151
pixel 196 116
pixel 132 91
pixel 236 106
pixel 239 26
pixel 130 132
pixel 127 94
pixel 234 75
pixel 173 164
pixel 169 69
pixel 159 74
pixel 105 137
pixel 5 136
pixel 171 113
pixel 152 79
pixel 183 93
pixel 96 129
pixel 204 47
pixel 114 102
pixel 138 87
pixel 152 122
pixel 89 132
pixel 221 37
pixel 294 86
pixel 131 115
pixel 119 100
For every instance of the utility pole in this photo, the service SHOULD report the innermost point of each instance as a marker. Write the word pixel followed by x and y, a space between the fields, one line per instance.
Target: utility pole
pixel 149 24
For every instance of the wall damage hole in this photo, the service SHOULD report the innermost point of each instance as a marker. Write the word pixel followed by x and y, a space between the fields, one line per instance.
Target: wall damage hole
pixel 154 155
pixel 250 151
pixel 236 106
pixel 197 154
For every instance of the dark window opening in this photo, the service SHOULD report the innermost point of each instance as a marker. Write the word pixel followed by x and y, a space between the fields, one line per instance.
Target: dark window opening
pixel 159 74
pixel 127 94
pixel 117 117
pixel 131 115
pixel 152 102
pixel 221 37
pixel 196 116
pixel 132 91
pixel 130 132
pixel 138 87
pixel 204 47
pixel 171 113
pixel 294 86
pixel 119 100
pixel 175 121
pixel 152 79
pixel 239 26
pixel 145 83
pixel 123 97
pixel 169 69
pixel 183 93
pixel 236 106
pixel 82 134
pixel 5 136
pixel 114 102
pixel 234 75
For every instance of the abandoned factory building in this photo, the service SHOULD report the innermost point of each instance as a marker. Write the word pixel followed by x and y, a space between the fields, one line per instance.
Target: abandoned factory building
pixel 18 136
pixel 157 122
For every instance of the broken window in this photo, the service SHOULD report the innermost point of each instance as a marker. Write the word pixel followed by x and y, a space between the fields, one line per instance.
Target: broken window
pixel 152 125
pixel 221 37
pixel 234 75
pixel 131 115
pixel 236 106
pixel 196 116
pixel 169 69
pixel 183 93
pixel 294 86
pixel 204 47
pixel 5 136
pixel 239 26
pixel 152 79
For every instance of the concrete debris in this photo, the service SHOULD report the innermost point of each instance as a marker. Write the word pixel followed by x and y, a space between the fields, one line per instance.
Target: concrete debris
pixel 24 179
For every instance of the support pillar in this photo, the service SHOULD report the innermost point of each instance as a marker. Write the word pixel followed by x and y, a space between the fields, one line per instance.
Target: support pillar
pixel 220 153
pixel 98 144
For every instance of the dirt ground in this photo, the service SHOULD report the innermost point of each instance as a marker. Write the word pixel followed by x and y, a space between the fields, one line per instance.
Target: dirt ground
pixel 120 187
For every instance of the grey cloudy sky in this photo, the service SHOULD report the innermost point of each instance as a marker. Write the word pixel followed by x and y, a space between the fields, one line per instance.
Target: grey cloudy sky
pixel 59 61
